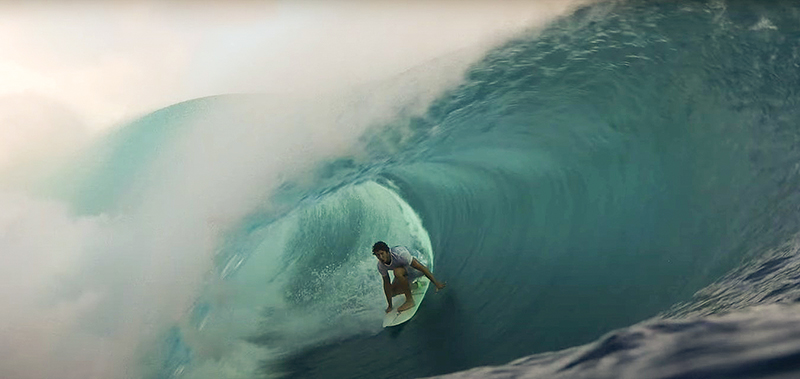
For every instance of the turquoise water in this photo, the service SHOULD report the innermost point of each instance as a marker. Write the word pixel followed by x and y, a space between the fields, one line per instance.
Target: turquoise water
pixel 581 179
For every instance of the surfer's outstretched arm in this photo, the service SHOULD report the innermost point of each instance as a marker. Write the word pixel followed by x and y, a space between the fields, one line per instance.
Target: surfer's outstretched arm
pixel 387 289
pixel 419 266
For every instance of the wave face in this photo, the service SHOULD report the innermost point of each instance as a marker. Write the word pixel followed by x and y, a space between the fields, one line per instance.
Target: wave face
pixel 582 179
pixel 591 176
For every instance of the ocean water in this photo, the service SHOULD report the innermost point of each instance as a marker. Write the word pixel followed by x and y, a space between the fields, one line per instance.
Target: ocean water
pixel 612 196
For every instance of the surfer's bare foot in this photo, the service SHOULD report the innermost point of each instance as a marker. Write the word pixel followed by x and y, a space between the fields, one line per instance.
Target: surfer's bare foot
pixel 389 309
pixel 407 305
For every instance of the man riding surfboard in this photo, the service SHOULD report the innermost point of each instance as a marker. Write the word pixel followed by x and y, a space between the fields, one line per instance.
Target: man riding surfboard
pixel 406 269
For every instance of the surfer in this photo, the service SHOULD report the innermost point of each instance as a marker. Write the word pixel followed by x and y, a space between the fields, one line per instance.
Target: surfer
pixel 406 269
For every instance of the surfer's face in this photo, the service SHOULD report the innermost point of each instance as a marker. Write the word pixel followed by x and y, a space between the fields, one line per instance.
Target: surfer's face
pixel 382 255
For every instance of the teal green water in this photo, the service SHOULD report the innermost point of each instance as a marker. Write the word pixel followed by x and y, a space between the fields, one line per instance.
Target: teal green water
pixel 579 180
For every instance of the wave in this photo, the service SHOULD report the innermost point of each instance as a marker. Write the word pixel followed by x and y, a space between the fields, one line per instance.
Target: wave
pixel 593 176
pixel 632 161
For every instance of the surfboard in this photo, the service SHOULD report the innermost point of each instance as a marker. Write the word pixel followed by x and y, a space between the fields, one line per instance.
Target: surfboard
pixel 396 318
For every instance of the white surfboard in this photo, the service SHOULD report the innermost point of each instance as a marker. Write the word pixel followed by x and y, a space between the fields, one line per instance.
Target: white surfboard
pixel 396 318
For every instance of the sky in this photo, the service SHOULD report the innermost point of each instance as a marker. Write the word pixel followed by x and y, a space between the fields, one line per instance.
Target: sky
pixel 108 62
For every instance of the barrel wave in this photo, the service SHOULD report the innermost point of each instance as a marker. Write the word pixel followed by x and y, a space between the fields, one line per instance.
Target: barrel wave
pixel 626 174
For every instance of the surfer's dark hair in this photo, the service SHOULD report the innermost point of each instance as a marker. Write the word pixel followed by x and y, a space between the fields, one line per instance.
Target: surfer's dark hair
pixel 380 246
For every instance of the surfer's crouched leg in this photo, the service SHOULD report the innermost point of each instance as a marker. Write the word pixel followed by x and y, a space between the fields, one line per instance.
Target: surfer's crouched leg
pixel 401 285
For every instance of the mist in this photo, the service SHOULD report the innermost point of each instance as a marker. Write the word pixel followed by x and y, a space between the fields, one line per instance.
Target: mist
pixel 87 295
